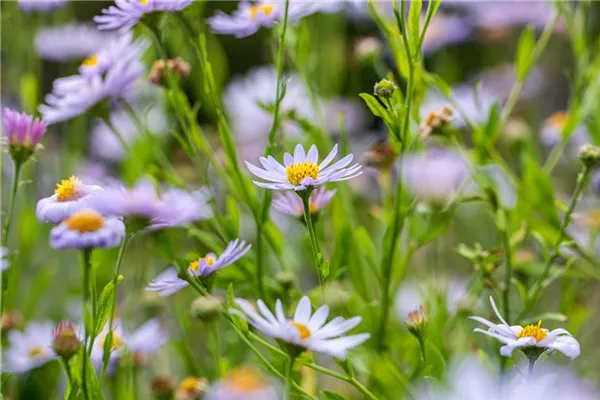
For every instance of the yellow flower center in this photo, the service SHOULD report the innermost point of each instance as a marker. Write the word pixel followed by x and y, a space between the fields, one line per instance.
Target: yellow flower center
pixel 116 341
pixel 192 385
pixel 302 330
pixel 296 172
pixel 534 331
pixel 591 219
pixel 35 351
pixel 266 9
pixel 558 120
pixel 210 260
pixel 246 379
pixel 144 2
pixel 85 221
pixel 66 190
pixel 91 61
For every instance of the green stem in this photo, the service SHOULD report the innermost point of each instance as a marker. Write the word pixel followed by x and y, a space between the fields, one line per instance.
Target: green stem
pixel 215 348
pixel 288 378
pixel 508 273
pixel 305 196
pixel 86 265
pixel 6 230
pixel 349 379
pixel 260 269
pixel 421 340
pixel 70 386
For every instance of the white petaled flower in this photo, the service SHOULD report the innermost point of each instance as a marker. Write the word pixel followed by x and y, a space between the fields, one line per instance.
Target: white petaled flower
pixel 87 229
pixel 70 196
pixel 145 340
pixel 4 262
pixel 530 336
pixel 243 383
pixel 169 282
pixel 305 330
pixel 125 14
pixel 301 170
pixel 29 349
pixel 119 49
pixel 71 42
pixel 291 204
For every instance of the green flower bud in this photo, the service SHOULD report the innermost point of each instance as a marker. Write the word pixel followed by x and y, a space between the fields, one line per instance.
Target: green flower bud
pixel 206 308
pixel 589 155
pixel 384 89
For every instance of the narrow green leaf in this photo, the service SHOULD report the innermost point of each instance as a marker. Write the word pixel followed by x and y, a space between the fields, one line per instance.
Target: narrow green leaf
pixel 414 30
pixel 524 51
pixel 327 395
pixel 104 305
pixel 377 108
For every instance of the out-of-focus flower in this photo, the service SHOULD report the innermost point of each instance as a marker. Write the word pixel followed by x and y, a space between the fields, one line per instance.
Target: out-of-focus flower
pixel 380 155
pixel 87 229
pixel 243 383
pixel 168 282
pixel 528 337
pixel 66 342
pixel 445 30
pixel 145 340
pixel 191 388
pixel 206 308
pixel 104 143
pixel 498 15
pixel 162 388
pixel 42 6
pixel 4 262
pixel 412 295
pixel 119 49
pixel 70 42
pixel 125 14
pixel 29 349
pixel 436 121
pixel 367 48
pixel 23 133
pixel 178 66
pixel 291 204
pixel 306 330
pixel 434 176
pixel 552 133
pixel 10 320
pixel 301 171
pixel 352 112
pixel 70 196
pixel 249 18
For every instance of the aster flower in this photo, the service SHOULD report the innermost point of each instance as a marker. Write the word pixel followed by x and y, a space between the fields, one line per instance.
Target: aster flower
pixel 250 17
pixel 125 14
pixel 306 330
pixel 70 196
pixel 121 48
pixel 191 388
pixel 243 383
pixel 87 229
pixel 291 204
pixel 301 171
pixel 169 282
pixel 528 337
pixel 29 349
pixel 41 6
pixel 145 340
pixel 4 262
pixel 23 133
pixel 71 42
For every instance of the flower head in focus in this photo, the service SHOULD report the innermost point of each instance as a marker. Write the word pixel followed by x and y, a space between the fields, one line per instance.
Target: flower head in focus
pixel 125 14
pixel 29 349
pixel 243 383
pixel 301 171
pixel 169 282
pixel 87 229
pixel 70 196
pixel 305 330
pixel 290 204
pixel 530 337
pixel 42 6
pixel 23 133
pixel 71 42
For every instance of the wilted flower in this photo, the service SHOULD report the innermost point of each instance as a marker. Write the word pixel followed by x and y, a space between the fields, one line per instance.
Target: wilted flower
pixel 29 349
pixel 191 388
pixel 169 282
pixel 70 196
pixel 529 337
pixel 291 204
pixel 436 121
pixel 178 66
pixel 87 229
pixel 23 133
pixel 306 330
pixel 162 388
pixel 384 89
pixel 70 42
pixel 41 5
pixel 301 171
pixel 243 383
pixel 125 14
pixel 66 342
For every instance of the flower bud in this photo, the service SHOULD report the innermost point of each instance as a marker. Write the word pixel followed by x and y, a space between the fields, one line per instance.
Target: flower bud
pixel 436 122
pixel 162 388
pixel 589 155
pixel 416 321
pixel 191 388
pixel 10 320
pixel 206 308
pixel 65 341
pixel 384 89
pixel 177 66
pixel 23 134
pixel 286 279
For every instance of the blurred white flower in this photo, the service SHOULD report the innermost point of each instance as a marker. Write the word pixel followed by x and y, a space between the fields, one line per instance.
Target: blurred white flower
pixel 29 349
pixel 125 14
pixel 244 383
pixel 71 42
pixel 413 294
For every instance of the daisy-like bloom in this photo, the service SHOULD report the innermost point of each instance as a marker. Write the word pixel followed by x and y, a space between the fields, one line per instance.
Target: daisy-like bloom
pixel 70 196
pixel 250 17
pixel 121 48
pixel 125 14
pixel 528 337
pixel 168 282
pixel 42 6
pixel 29 349
pixel 4 263
pixel 22 129
pixel 244 383
pixel 87 229
pixel 306 330
pixel 413 295
pixel 144 341
pixel 72 42
pixel 301 171
pixel 291 204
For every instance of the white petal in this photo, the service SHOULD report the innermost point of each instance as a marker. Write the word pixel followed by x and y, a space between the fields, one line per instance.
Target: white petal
pixel 313 154
pixel 318 319
pixel 303 311
pixel 299 154
pixel 567 345
pixel 496 311
pixel 279 312
pixel 329 158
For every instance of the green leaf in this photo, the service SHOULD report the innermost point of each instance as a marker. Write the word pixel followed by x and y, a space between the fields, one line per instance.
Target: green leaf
pixel 327 395
pixel 233 214
pixel 105 304
pixel 29 93
pixel 439 83
pixel 492 127
pixel 437 363
pixel 377 109
pixel 414 31
pixel 524 51
pixel 559 317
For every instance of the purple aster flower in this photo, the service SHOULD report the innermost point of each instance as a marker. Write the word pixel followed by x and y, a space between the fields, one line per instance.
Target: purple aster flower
pixel 125 14
pixel 122 49
pixel 70 196
pixel 22 129
pixel 70 42
pixel 41 5
pixel 87 229
pixel 169 282
pixel 291 204
pixel 301 170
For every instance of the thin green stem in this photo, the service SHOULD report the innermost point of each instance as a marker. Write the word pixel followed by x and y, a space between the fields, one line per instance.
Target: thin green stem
pixel 532 361
pixel 305 195
pixel 349 379
pixel 508 272
pixel 260 268
pixel 214 345
pixel 70 386
pixel 421 340
pixel 289 380
pixel 86 265
pixel 7 225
